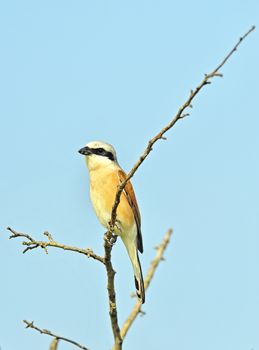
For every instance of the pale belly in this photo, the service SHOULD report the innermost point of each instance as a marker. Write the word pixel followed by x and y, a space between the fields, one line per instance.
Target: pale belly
pixel 102 212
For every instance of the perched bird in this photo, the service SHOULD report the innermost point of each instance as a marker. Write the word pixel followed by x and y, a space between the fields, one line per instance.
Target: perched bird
pixel 105 177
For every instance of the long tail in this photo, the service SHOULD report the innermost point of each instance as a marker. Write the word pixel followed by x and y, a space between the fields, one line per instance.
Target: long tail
pixel 133 255
pixel 139 283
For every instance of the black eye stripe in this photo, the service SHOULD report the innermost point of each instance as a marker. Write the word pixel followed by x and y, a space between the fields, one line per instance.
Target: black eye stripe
pixel 102 152
pixel 109 155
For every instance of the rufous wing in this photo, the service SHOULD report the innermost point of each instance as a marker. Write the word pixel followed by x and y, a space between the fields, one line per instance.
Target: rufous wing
pixel 131 198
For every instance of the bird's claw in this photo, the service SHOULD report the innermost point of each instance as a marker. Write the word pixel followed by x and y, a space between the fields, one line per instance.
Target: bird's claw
pixel 113 239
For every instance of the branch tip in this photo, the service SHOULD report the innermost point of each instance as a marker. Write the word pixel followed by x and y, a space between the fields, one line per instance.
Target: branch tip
pixel 31 244
pixel 28 324
pixel 220 75
pixel 49 236
pixel 55 336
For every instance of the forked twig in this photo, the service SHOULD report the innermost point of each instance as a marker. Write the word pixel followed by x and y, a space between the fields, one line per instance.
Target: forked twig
pixel 31 243
pixel 58 337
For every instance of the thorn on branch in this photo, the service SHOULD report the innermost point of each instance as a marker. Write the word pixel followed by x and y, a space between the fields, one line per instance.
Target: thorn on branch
pixel 217 74
pixel 149 148
pixel 46 331
pixel 142 313
pixel 28 324
pixel 48 235
pixel 184 115
pixel 89 252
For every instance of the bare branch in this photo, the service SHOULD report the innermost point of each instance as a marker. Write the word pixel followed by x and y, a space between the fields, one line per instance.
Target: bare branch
pixel 31 243
pixel 54 344
pixel 179 115
pixel 110 234
pixel 151 271
pixel 58 337
pixel 108 243
pixel 215 72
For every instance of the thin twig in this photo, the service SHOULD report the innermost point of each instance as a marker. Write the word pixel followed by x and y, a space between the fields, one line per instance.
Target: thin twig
pixel 179 115
pixel 31 243
pixel 153 266
pixel 233 50
pixel 47 332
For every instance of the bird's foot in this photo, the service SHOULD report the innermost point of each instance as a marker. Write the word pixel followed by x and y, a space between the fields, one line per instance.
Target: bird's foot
pixel 111 240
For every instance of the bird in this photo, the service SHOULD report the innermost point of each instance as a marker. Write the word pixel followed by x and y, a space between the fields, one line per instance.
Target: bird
pixel 105 176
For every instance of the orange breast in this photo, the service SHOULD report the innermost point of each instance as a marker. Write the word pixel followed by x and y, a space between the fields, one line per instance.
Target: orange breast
pixel 103 188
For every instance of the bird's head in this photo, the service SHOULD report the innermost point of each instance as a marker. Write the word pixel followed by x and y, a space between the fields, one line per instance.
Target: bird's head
pixel 98 154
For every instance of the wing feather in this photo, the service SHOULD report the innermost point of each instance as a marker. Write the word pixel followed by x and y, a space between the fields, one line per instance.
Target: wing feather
pixel 131 198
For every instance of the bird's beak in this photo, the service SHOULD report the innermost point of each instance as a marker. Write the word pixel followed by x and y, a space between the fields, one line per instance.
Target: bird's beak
pixel 85 151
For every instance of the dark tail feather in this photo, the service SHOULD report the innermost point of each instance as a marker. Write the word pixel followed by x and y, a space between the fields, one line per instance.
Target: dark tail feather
pixel 132 250
pixel 139 283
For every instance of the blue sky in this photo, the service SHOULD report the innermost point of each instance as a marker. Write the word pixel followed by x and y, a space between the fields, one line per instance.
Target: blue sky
pixel 72 72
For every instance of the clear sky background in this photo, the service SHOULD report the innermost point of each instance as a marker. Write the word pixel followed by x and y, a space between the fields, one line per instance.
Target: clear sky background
pixel 76 71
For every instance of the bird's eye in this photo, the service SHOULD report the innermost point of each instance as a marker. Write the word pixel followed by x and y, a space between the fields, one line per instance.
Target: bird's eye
pixel 100 151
